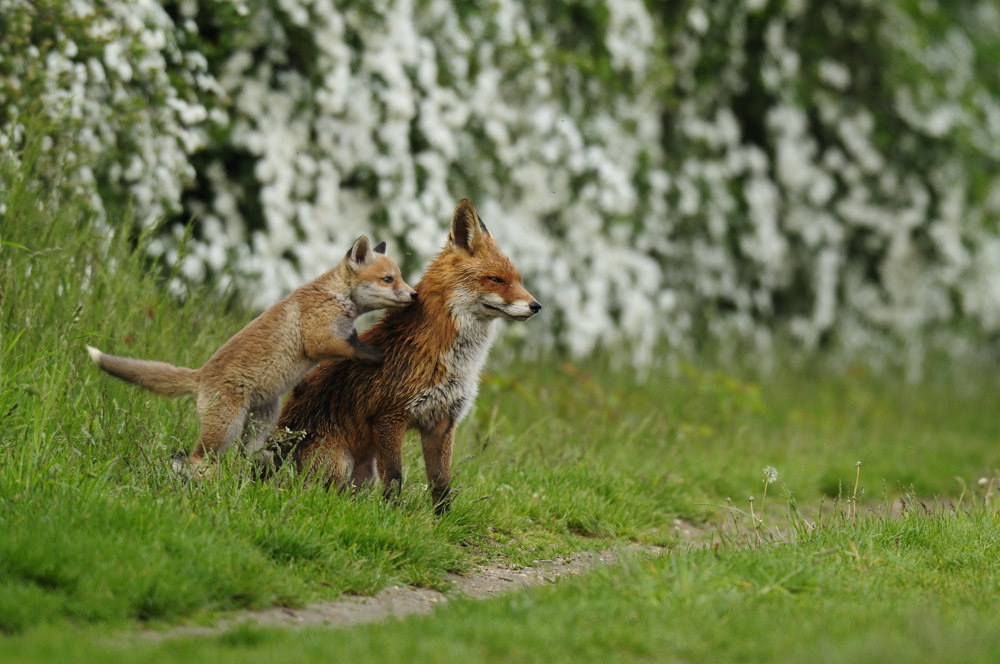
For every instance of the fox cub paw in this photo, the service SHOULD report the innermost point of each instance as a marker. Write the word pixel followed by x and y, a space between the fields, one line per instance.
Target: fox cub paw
pixel 369 354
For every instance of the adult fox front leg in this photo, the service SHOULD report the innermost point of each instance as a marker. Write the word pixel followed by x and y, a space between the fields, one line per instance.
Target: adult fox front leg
pixel 437 442
pixel 388 436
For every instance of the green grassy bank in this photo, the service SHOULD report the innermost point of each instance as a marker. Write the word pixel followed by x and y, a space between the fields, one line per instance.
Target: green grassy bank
pixel 98 536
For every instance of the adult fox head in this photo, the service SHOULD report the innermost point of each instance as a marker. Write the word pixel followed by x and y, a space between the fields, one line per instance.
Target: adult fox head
pixel 488 284
pixel 378 283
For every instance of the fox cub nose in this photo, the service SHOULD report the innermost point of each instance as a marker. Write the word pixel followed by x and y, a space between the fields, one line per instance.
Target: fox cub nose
pixel 413 295
pixel 535 306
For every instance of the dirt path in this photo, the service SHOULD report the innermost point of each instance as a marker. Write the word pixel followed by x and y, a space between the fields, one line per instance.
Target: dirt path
pixel 398 601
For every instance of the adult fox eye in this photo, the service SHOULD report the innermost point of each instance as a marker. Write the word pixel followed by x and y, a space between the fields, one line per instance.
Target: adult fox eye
pixel 388 280
pixel 496 280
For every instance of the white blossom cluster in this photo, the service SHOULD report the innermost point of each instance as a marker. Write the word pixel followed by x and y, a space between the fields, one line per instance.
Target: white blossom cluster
pixel 117 99
pixel 620 169
pixel 825 219
pixel 410 108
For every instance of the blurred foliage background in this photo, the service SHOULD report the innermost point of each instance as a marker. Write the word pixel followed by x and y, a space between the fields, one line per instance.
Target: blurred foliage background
pixel 746 175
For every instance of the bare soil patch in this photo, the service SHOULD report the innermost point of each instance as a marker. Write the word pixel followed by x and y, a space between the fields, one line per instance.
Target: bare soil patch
pixel 398 601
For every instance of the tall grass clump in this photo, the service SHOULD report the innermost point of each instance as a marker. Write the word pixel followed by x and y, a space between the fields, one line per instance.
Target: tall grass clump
pixel 91 528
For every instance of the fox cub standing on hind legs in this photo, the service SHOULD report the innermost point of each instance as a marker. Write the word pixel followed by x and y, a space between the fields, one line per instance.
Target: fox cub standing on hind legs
pixel 240 386
pixel 354 417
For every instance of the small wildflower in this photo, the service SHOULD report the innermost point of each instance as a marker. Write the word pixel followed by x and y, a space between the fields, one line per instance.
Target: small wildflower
pixel 770 474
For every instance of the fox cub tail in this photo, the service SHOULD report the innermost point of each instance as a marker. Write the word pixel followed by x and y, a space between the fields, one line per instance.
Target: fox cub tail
pixel 158 377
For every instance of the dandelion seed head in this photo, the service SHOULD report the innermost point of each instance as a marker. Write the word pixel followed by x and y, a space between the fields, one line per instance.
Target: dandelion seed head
pixel 770 474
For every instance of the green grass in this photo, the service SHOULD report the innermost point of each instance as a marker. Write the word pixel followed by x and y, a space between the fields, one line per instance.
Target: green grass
pixel 921 588
pixel 98 537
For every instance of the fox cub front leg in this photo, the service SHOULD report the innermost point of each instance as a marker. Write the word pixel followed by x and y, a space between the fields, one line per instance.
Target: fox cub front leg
pixel 366 352
pixel 332 347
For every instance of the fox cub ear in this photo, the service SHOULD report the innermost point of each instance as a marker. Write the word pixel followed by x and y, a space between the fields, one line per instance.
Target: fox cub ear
pixel 361 253
pixel 467 229
pixel 380 248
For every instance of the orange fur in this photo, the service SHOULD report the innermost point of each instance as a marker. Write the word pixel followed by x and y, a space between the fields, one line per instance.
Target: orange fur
pixel 354 417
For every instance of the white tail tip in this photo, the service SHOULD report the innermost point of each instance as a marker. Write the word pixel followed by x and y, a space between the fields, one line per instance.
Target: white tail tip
pixel 95 354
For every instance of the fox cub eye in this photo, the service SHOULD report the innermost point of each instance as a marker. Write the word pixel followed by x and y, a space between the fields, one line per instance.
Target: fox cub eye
pixel 387 279
pixel 496 280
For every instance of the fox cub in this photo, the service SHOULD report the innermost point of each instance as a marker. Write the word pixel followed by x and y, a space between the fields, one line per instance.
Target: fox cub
pixel 239 388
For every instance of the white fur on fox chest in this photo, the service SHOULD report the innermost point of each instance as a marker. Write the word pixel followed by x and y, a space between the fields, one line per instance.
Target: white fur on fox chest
pixel 463 362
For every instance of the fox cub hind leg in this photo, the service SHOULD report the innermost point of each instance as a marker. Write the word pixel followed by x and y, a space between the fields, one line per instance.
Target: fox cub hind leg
pixel 223 419
pixel 259 426
pixel 260 423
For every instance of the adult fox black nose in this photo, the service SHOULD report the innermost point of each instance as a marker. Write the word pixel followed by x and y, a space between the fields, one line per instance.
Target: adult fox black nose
pixel 413 295
pixel 535 306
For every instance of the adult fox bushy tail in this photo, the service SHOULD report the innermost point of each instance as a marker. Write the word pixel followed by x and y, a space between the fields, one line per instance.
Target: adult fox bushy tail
pixel 240 386
pixel 353 416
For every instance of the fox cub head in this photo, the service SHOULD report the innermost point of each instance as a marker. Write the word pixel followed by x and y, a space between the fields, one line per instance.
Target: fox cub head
pixel 489 284
pixel 377 281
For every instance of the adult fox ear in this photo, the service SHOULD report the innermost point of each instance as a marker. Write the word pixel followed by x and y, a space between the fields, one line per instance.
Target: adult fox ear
pixel 380 248
pixel 467 229
pixel 361 253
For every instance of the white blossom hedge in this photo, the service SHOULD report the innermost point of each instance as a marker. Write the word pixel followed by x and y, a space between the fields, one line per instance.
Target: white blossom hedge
pixel 742 173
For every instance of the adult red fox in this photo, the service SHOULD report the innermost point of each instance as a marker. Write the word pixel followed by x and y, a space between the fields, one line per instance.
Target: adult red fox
pixel 240 386
pixel 353 417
